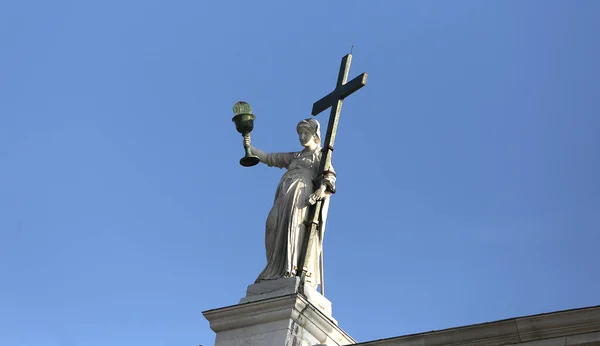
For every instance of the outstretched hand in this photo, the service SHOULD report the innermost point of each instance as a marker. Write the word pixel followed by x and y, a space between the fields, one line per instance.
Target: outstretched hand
pixel 246 141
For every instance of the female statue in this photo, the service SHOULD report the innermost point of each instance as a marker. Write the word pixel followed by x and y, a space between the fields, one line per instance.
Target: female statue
pixel 287 223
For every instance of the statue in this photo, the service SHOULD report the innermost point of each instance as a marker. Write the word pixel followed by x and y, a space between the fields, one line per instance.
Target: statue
pixel 288 221
pixel 296 223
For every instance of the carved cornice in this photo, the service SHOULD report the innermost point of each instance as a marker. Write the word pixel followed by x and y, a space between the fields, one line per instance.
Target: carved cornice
pixel 293 308
pixel 504 332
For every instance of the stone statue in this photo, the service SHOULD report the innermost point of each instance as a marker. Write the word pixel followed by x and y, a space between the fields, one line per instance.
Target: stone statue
pixel 287 222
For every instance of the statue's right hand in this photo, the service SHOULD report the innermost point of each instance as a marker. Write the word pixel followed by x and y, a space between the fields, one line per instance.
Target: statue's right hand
pixel 246 141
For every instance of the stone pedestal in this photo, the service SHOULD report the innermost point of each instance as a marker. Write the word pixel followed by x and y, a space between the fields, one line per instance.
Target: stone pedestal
pixel 273 313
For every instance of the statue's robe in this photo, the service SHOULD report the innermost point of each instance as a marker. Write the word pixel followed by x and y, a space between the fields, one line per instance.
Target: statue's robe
pixel 287 221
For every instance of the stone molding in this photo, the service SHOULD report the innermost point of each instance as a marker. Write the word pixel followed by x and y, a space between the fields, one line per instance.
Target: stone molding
pixel 505 332
pixel 283 287
pixel 294 308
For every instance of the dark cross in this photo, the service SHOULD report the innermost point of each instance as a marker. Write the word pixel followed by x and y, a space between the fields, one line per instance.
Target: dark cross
pixel 333 100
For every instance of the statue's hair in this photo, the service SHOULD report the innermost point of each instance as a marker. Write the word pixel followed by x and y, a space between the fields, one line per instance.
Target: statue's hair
pixel 313 126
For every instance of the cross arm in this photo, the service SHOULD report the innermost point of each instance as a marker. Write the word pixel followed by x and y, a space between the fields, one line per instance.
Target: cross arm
pixel 339 93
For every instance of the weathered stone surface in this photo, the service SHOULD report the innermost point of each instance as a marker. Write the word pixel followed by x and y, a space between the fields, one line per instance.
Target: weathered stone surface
pixel 286 286
pixel 583 339
pixel 562 323
pixel 271 288
pixel 286 320
pixel 545 342
pixel 570 327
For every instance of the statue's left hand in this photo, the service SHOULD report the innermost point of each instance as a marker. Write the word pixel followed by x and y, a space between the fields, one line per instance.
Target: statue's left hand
pixel 318 195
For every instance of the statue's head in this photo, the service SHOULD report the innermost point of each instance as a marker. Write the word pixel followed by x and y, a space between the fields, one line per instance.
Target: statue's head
pixel 309 130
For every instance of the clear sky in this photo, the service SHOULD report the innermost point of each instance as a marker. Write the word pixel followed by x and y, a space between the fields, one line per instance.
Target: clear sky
pixel 468 167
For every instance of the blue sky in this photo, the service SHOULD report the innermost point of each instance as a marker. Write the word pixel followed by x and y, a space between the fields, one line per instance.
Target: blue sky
pixel 468 167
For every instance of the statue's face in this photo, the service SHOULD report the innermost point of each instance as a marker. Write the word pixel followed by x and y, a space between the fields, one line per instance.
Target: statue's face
pixel 306 137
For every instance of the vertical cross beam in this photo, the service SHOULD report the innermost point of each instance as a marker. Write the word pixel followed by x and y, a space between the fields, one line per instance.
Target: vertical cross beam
pixel 334 100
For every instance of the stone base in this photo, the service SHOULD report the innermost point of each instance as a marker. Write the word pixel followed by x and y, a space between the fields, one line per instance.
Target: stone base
pixel 288 320
pixel 282 287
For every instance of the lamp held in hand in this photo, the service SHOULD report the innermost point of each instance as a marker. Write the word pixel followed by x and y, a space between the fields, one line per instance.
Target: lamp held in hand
pixel 244 124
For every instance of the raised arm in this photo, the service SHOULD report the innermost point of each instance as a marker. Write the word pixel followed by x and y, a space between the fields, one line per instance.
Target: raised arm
pixel 281 160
